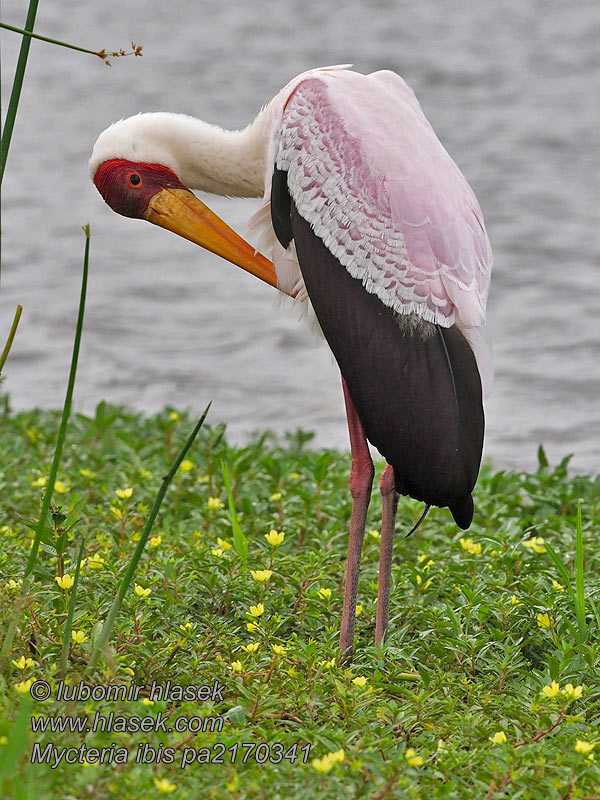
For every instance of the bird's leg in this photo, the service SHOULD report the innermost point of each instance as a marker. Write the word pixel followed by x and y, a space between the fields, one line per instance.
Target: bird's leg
pixel 389 504
pixel 361 481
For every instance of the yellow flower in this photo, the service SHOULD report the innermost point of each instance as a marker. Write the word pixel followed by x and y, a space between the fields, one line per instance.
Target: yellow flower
pixel 278 649
pixel 164 784
pixel 412 758
pixel 375 534
pixel 96 561
pixel 141 592
pixel 276 496
pixel 536 543
pixel 257 610
pixel 322 764
pixel 274 538
pixel 324 593
pixel 552 690
pixel 217 551
pixel 12 584
pixel 294 476
pixel 558 586
pixel 187 626
pixel 3 741
pixel 147 702
pixel 359 681
pixel 236 666
pixel 250 648
pixel 124 494
pixel 60 487
pixel 40 481
pixel 23 663
pixel 584 747
pixel 78 637
pixel 358 609
pixel 66 582
pixel 543 621
pixel 24 686
pixel 155 541
pixel 87 473
pixel 251 627
pixel 328 761
pixel 328 664
pixel 186 465
pixel 470 546
pixel 215 503
pixel 426 585
pixel 261 575
pixel 223 543
pixel 572 692
pixel 498 738
pixel 174 416
pixel 514 601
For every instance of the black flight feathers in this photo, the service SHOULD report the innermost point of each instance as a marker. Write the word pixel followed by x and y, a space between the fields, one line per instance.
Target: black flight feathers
pixel 418 395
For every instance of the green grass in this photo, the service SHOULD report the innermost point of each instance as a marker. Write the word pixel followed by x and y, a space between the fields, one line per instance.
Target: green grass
pixel 466 657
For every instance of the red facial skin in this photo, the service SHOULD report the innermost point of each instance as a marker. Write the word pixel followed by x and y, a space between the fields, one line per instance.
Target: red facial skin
pixel 128 186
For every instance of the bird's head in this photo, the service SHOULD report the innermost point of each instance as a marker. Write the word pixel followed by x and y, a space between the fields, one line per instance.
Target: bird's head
pixel 128 187
pixel 150 189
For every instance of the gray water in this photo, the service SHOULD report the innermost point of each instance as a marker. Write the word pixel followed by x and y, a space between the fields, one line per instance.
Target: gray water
pixel 512 90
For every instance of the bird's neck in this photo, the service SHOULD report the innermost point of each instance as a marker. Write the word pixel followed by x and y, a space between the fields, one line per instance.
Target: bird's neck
pixel 219 161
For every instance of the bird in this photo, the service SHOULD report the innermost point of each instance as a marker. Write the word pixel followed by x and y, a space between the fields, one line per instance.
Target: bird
pixel 368 223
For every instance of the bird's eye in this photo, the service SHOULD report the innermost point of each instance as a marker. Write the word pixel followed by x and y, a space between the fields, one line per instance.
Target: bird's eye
pixel 135 179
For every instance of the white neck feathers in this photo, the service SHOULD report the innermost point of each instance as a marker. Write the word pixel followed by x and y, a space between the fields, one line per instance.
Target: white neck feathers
pixel 203 156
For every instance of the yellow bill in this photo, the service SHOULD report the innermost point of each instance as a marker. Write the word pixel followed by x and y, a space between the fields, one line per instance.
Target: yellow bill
pixel 180 211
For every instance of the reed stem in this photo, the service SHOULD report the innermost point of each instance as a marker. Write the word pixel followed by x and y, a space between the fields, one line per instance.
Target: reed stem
pixel 11 336
pixel 27 578
pixel 15 94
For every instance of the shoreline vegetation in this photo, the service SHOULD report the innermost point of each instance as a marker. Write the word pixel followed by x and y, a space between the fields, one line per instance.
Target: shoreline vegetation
pixel 488 685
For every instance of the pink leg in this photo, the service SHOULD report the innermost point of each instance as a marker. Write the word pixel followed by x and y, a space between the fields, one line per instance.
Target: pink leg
pixel 389 503
pixel 361 480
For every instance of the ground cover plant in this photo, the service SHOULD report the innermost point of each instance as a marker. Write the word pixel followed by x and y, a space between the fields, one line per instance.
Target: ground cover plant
pixel 487 686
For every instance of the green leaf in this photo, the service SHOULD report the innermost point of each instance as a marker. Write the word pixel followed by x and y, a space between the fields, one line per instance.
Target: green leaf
pixel 240 542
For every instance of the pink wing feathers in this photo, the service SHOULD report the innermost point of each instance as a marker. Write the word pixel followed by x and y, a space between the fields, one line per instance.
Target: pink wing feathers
pixel 367 171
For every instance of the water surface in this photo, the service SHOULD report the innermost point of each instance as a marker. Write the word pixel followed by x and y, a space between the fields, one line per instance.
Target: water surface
pixel 511 90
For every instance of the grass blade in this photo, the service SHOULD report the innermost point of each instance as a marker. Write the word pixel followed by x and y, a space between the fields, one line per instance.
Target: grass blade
pixel 15 94
pixel 102 638
pixel 62 669
pixel 579 581
pixel 240 541
pixel 16 744
pixel 57 455
pixel 11 336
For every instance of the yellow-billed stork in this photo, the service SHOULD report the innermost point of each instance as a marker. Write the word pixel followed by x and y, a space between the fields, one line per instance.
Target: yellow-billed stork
pixel 366 218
